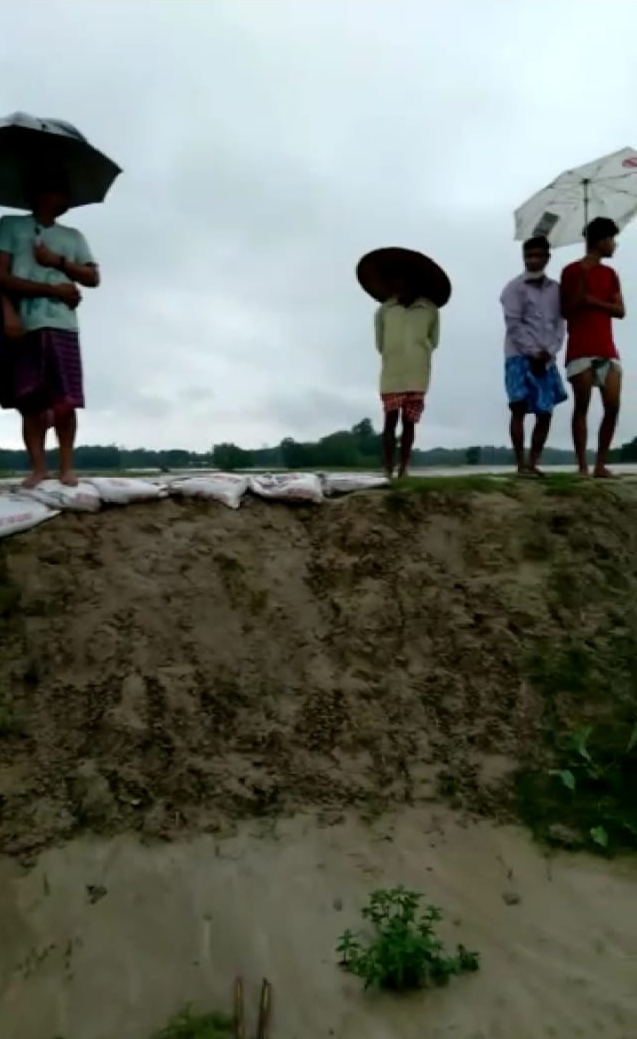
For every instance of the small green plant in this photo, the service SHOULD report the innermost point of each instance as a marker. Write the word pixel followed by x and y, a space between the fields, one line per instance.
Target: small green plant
pixel 602 779
pixel 187 1025
pixel 403 952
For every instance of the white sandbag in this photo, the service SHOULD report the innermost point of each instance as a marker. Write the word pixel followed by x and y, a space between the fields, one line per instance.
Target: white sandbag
pixel 122 490
pixel 18 513
pixel 345 483
pixel 227 488
pixel 83 498
pixel 288 487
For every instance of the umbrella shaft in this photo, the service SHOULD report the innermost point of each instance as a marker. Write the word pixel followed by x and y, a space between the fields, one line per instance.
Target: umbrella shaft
pixel 586 183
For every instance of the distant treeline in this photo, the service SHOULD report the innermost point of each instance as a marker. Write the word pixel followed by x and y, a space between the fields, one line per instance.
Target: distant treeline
pixel 355 448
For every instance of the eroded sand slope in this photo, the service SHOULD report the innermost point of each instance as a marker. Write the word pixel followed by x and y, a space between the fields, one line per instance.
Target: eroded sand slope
pixel 174 667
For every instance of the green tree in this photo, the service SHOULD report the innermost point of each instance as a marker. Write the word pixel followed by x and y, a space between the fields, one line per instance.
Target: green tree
pixel 628 452
pixel 229 457
pixel 338 449
pixel 293 454
pixel 363 430
pixel 368 441
pixel 473 455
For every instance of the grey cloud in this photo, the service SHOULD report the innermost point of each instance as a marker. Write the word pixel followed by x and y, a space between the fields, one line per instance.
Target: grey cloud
pixel 320 411
pixel 265 147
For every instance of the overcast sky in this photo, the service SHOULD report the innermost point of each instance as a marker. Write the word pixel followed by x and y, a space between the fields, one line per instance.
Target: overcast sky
pixel 265 147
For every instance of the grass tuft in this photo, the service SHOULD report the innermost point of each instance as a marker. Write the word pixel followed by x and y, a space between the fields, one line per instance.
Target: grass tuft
pixel 187 1025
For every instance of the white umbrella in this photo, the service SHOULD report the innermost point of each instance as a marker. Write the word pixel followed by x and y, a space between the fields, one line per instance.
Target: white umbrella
pixel 561 211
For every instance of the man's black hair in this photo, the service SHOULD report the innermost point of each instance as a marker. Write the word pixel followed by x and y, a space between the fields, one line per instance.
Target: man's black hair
pixel 600 228
pixel 539 243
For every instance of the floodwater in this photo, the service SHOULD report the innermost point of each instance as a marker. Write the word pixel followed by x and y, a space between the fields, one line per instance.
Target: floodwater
pixel 428 473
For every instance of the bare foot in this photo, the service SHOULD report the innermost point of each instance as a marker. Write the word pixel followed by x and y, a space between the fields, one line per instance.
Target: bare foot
pixel 68 478
pixel 583 474
pixel 603 474
pixel 34 479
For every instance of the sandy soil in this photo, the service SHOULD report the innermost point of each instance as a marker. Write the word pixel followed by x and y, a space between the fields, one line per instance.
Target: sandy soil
pixel 173 668
pixel 183 672
pixel 108 939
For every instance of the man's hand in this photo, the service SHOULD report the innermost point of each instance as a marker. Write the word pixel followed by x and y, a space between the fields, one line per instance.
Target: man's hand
pixel 615 308
pixel 13 328
pixel 44 256
pixel 67 293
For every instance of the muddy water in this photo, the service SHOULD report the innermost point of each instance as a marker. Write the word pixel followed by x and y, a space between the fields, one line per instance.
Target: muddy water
pixel 105 940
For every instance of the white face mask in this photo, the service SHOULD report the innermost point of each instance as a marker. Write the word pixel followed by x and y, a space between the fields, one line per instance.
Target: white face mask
pixel 534 275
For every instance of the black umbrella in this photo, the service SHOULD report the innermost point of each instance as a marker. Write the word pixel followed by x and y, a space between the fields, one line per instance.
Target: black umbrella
pixel 29 145
pixel 378 270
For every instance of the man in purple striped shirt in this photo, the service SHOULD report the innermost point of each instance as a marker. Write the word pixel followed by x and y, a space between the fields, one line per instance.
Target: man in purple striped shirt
pixel 534 337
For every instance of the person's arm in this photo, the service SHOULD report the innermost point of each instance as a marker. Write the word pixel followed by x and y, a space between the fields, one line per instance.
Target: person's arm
pixel 13 286
pixel 378 329
pixel 11 324
pixel 9 285
pixel 572 290
pixel 85 274
pixel 615 306
pixel 80 267
pixel 434 331
pixel 576 297
pixel 556 342
pixel 513 309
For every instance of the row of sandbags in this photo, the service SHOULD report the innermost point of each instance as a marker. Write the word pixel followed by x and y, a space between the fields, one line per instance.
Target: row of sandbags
pixel 22 509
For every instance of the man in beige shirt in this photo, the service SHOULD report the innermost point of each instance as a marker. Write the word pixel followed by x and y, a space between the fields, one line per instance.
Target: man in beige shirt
pixel 407 332
pixel 411 289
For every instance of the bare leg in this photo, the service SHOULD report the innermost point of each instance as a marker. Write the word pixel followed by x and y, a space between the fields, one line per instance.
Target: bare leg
pixel 538 439
pixel 406 444
pixel 516 429
pixel 582 388
pixel 389 441
pixel 611 396
pixel 66 428
pixel 34 435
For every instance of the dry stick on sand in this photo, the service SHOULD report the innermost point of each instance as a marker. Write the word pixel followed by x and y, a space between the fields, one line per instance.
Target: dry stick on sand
pixel 265 1007
pixel 239 1022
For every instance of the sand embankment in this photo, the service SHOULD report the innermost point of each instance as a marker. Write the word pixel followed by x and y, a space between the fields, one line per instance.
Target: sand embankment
pixel 308 703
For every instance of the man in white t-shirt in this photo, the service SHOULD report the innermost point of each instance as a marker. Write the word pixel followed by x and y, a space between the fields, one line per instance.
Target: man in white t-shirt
pixel 42 263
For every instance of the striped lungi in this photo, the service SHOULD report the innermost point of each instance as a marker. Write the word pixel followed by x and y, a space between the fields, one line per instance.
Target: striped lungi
pixel 45 371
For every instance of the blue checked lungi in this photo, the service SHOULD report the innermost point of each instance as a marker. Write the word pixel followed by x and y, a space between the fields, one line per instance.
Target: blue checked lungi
pixel 540 393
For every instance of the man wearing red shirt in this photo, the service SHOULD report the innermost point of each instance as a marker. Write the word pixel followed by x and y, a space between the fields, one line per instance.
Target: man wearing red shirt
pixel 591 297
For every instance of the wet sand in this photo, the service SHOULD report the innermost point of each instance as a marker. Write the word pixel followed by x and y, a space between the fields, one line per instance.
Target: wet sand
pixel 107 939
